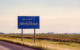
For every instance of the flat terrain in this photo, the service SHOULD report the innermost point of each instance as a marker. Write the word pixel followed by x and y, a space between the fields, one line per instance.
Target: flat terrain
pixel 10 46
pixel 54 37
pixel 43 41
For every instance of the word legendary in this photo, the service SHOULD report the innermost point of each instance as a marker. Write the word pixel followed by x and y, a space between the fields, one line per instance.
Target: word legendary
pixel 28 23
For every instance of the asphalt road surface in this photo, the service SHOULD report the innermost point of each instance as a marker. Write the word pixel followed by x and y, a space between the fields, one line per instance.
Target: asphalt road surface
pixel 10 46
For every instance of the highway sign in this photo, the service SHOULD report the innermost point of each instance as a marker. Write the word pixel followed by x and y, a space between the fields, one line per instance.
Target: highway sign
pixel 28 22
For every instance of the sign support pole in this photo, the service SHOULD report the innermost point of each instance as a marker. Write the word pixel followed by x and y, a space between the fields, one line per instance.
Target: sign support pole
pixel 21 34
pixel 34 35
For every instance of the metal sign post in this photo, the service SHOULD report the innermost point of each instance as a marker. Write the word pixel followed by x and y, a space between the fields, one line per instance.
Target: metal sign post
pixel 34 35
pixel 21 34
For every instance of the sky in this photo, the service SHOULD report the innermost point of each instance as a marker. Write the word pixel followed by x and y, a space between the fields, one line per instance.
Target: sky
pixel 58 16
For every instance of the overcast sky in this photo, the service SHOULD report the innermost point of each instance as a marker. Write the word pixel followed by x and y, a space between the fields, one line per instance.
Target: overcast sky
pixel 57 16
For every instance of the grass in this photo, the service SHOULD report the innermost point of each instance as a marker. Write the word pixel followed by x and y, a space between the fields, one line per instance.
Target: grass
pixel 44 44
pixel 24 43
pixel 56 37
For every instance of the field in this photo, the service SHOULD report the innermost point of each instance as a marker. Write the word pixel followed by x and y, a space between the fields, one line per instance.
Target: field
pixel 47 41
pixel 55 37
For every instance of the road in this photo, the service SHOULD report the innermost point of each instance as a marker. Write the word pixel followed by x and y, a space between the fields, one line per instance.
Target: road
pixel 9 46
